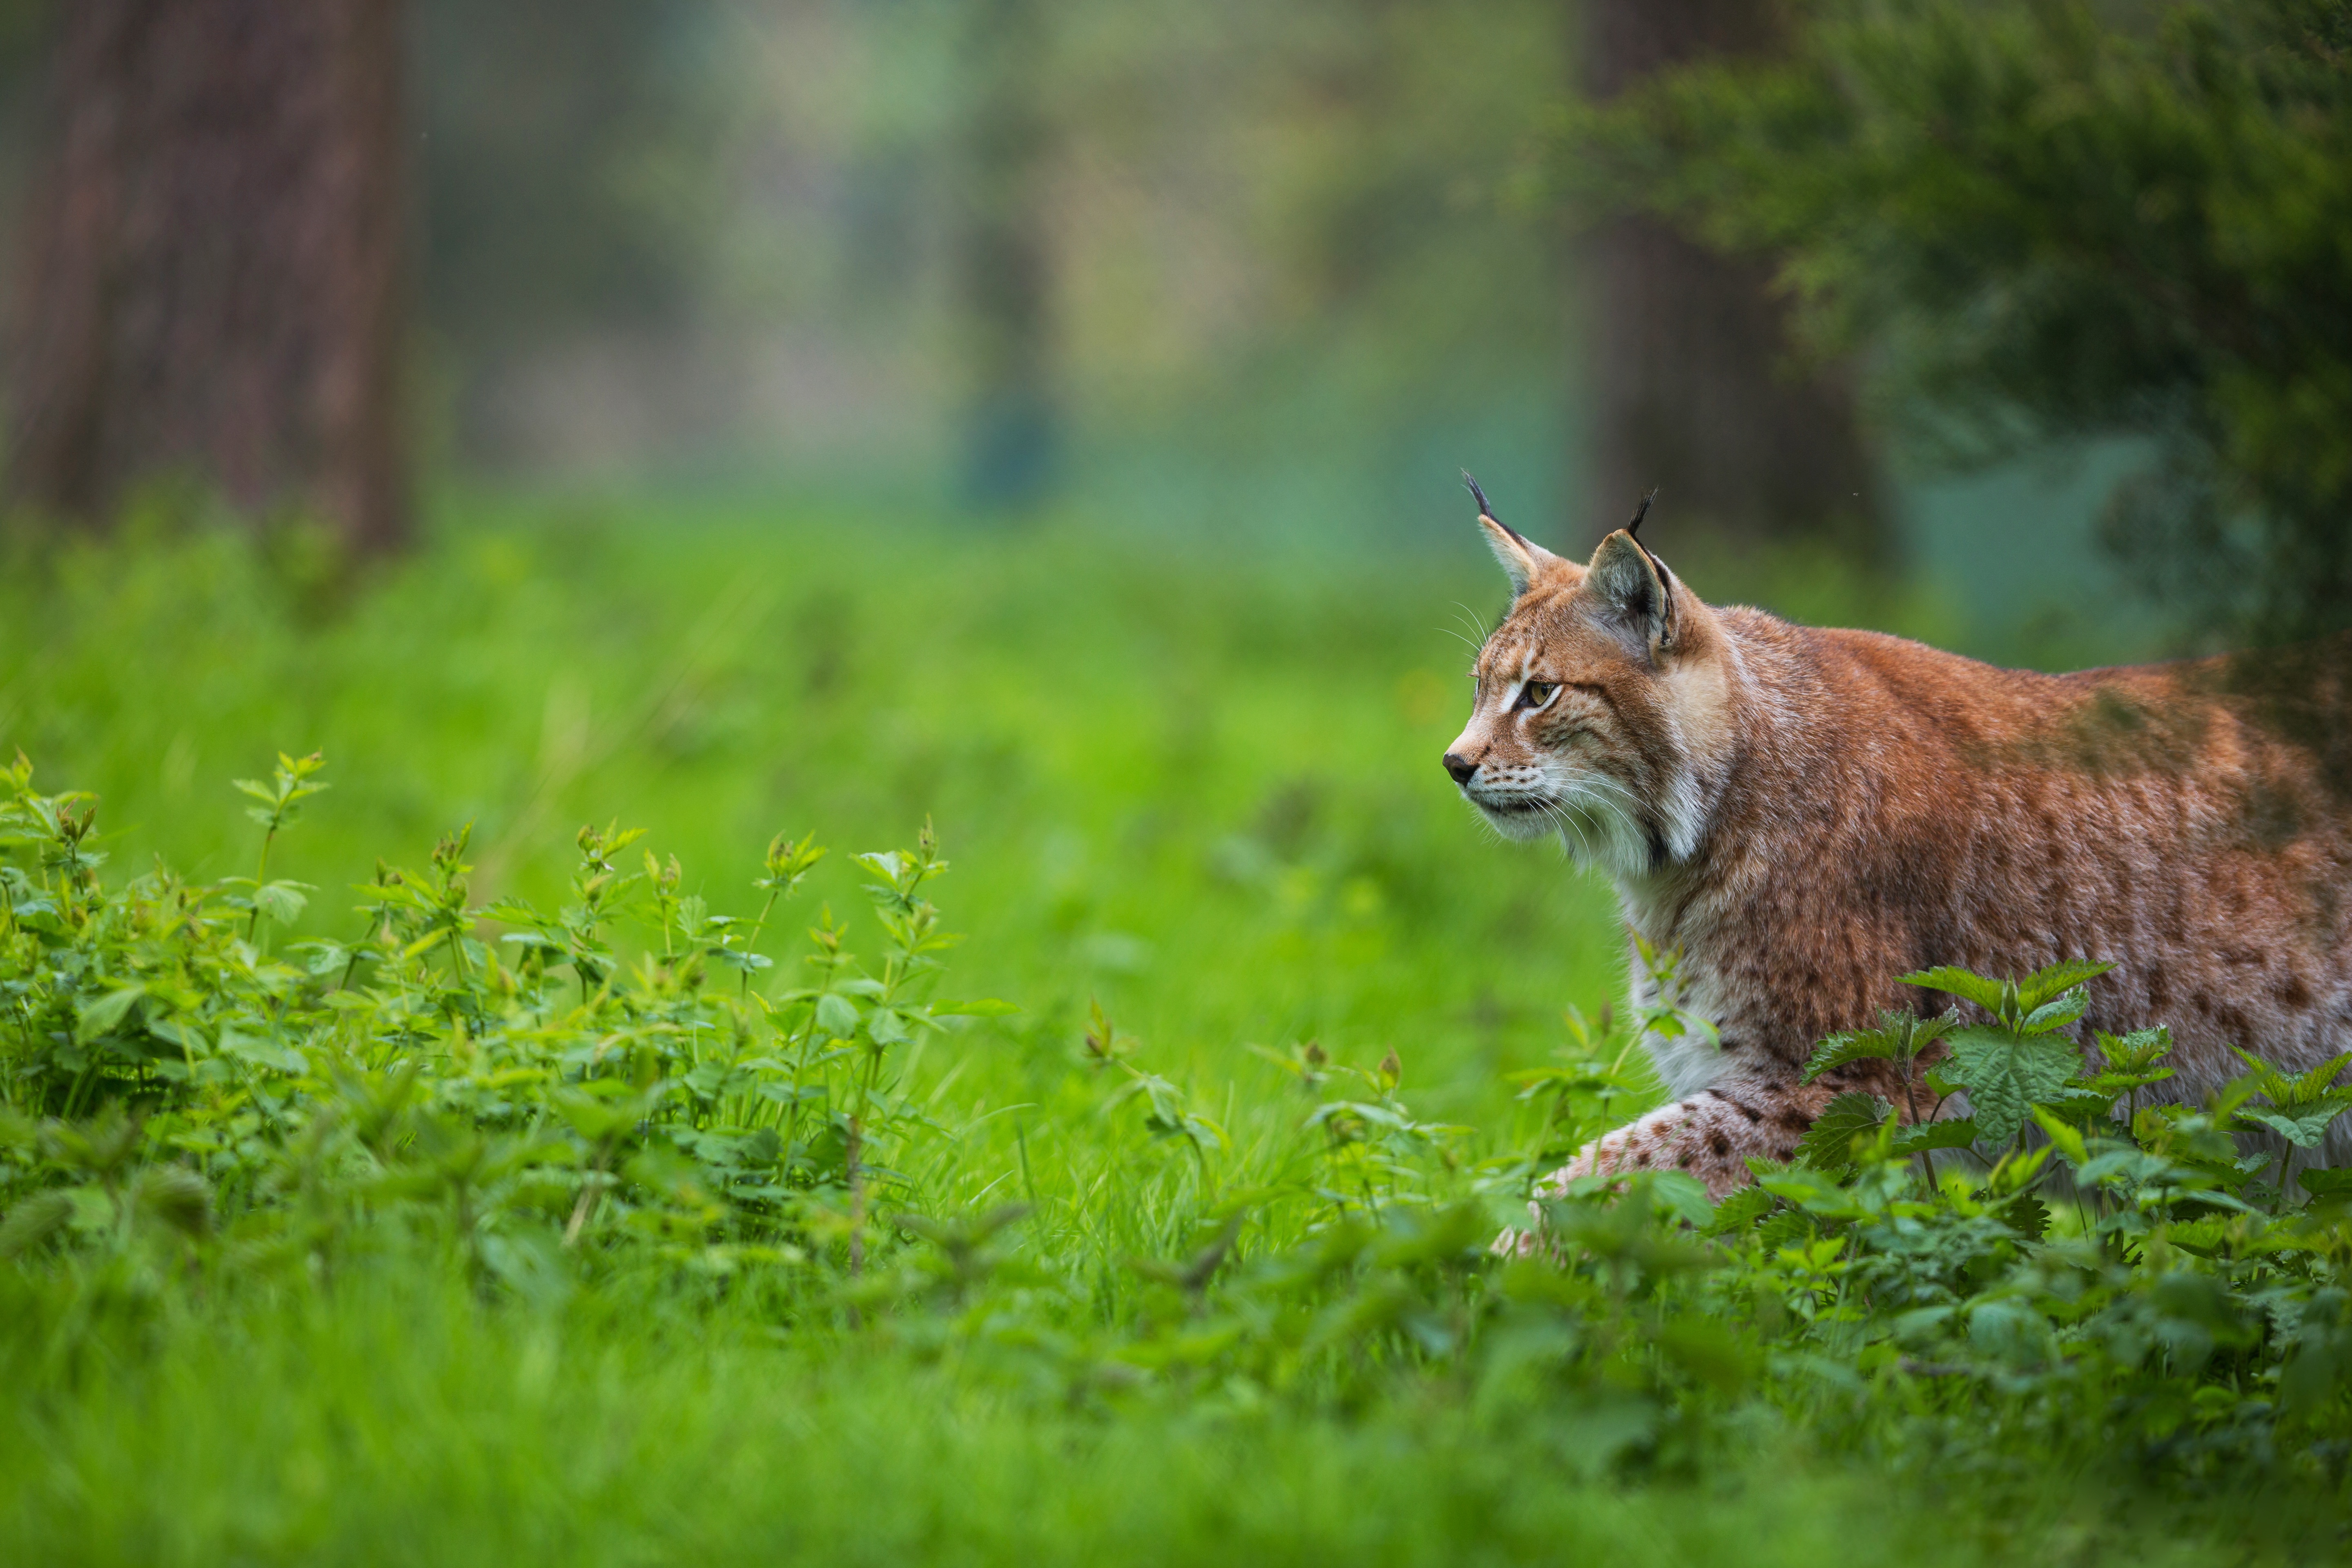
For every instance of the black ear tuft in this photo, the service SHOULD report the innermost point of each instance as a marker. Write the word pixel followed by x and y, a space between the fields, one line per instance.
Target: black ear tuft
pixel 1634 532
pixel 1641 511
pixel 1479 495
pixel 1487 509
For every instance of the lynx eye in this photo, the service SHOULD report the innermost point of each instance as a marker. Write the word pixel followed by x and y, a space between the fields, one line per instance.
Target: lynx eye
pixel 1536 694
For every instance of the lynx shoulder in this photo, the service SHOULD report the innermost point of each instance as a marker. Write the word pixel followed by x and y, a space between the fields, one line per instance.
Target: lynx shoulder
pixel 1807 814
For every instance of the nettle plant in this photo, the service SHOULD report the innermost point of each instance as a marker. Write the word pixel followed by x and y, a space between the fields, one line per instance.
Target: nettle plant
pixel 2072 1245
pixel 170 1071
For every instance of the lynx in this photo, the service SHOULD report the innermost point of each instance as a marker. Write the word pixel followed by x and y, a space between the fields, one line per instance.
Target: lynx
pixel 1807 814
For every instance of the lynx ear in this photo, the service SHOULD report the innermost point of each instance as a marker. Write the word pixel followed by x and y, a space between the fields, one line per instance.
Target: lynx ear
pixel 1523 560
pixel 1635 586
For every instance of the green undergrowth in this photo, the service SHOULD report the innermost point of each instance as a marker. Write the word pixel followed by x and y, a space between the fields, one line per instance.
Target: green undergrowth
pixel 405 1424
pixel 632 1143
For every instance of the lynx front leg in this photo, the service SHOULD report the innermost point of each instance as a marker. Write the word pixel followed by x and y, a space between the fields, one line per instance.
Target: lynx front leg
pixel 1710 1135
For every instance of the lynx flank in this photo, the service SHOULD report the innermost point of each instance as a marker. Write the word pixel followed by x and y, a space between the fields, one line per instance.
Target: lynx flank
pixel 1807 814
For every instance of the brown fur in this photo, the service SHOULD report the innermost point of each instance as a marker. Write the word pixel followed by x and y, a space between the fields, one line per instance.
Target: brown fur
pixel 1807 814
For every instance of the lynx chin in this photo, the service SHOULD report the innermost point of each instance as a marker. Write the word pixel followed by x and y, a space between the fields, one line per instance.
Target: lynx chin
pixel 1807 814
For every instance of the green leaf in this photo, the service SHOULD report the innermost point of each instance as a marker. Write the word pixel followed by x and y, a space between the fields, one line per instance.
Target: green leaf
pixel 836 1015
pixel 2006 1077
pixel 33 1220
pixel 1953 1132
pixel 263 1052
pixel 2304 1131
pixel 1899 1036
pixel 2327 1184
pixel 94 1018
pixel 2058 1013
pixel 1828 1143
pixel 1960 982
pixel 282 901
pixel 2028 1216
pixel 2063 1136
pixel 1855 1046
pixel 2044 985
pixel 2308 1088
pixel 2033 992
pixel 2138 1051
pixel 1739 1212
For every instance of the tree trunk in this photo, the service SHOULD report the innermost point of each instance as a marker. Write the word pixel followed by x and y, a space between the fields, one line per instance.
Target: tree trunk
pixel 1695 390
pixel 212 286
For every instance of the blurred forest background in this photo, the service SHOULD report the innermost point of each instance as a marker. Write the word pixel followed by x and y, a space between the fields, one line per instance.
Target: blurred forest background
pixel 1218 271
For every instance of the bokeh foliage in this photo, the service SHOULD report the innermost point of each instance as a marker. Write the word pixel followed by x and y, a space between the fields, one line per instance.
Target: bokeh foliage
pixel 2052 222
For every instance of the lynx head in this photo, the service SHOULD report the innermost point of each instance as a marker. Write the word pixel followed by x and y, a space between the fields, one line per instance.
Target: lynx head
pixel 1602 706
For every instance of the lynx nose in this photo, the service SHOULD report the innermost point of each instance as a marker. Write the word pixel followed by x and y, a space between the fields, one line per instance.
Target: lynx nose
pixel 1460 766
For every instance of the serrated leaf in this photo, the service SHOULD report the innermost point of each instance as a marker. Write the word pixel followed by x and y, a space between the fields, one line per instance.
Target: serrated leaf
pixel 1828 1143
pixel 2304 1131
pixel 2107 1085
pixel 2138 1051
pixel 2312 1084
pixel 1854 1046
pixel 1739 1212
pixel 2059 1012
pixel 2004 1078
pixel 1966 986
pixel 2328 1183
pixel 2044 985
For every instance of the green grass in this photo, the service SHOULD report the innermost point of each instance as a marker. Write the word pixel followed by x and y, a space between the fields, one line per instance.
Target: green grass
pixel 1197 788
pixel 1202 790
pixel 410 1426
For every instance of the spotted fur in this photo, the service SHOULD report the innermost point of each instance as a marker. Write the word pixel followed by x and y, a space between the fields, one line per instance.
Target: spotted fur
pixel 1807 814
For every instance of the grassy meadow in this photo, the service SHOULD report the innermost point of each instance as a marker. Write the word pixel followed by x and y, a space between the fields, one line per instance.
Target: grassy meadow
pixel 1202 790
pixel 1191 786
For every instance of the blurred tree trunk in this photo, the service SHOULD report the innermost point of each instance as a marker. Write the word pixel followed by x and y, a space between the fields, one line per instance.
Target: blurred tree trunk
pixel 212 282
pixel 1694 388
pixel 1004 262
